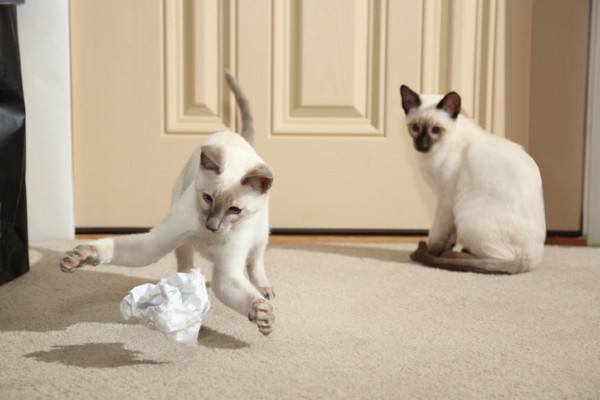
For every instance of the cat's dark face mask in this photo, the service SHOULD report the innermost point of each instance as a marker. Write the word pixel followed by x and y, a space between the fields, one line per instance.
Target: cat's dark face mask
pixel 423 141
pixel 424 134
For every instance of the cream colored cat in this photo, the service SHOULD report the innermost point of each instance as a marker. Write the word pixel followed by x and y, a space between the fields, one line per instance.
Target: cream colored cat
pixel 220 207
pixel 488 189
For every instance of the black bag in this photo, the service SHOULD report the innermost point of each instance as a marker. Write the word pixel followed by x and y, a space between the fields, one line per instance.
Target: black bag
pixel 14 257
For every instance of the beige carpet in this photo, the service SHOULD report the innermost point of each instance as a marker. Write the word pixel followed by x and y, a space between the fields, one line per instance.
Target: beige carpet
pixel 353 321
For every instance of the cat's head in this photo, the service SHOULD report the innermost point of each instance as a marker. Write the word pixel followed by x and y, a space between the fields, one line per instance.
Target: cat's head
pixel 429 118
pixel 232 187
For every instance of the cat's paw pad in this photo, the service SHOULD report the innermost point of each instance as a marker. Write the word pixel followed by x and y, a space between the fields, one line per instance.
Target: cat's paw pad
pixel 262 314
pixel 78 257
pixel 267 292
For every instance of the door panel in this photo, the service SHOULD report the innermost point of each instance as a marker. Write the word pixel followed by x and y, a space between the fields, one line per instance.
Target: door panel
pixel 199 41
pixel 334 123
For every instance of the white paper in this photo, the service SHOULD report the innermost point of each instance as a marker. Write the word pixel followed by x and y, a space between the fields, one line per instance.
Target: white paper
pixel 175 306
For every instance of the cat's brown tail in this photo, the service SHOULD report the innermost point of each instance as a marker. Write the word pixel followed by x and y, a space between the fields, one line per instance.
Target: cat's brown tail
pixel 242 102
pixel 454 261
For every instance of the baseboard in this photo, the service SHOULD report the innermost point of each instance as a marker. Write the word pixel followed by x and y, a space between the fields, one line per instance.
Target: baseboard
pixel 553 236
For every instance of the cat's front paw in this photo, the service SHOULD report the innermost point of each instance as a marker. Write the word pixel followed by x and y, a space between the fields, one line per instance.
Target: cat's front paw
pixel 81 255
pixel 262 314
pixel 422 249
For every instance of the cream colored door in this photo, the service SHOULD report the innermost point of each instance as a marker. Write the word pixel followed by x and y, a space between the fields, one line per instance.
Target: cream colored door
pixel 322 77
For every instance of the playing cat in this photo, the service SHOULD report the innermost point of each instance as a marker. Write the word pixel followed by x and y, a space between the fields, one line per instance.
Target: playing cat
pixel 488 189
pixel 219 207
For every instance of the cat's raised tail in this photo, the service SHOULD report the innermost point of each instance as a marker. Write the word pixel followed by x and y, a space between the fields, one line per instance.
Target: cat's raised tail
pixel 247 131
pixel 465 262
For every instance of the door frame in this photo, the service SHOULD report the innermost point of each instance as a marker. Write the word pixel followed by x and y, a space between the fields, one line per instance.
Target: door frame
pixel 591 185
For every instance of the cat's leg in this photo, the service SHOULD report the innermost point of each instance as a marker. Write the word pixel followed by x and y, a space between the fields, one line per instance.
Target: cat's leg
pixel 442 235
pixel 141 249
pixel 235 291
pixel 132 250
pixel 450 240
pixel 185 257
pixel 256 271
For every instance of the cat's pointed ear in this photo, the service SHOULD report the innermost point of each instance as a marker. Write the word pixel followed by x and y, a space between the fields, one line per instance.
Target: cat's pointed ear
pixel 211 158
pixel 410 99
pixel 451 104
pixel 260 178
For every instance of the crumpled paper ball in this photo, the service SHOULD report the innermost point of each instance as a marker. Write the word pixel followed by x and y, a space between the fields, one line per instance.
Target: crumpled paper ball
pixel 175 306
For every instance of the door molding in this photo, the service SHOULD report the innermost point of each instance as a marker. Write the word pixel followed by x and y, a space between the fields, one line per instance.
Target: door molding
pixel 300 85
pixel 200 42
pixel 462 46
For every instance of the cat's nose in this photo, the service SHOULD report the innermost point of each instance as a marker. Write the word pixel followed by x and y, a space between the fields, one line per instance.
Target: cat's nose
pixel 213 224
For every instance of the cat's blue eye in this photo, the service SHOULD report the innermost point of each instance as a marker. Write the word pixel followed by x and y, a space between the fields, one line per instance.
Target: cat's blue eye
pixel 207 198
pixel 235 210
pixel 436 130
pixel 415 127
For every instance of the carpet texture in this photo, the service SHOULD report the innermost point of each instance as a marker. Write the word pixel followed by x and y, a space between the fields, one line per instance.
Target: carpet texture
pixel 353 321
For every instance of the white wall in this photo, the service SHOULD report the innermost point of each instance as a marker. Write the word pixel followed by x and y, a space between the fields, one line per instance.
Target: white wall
pixel 44 46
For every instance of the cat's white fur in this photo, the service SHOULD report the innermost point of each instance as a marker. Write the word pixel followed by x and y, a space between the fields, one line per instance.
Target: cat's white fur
pixel 227 170
pixel 489 195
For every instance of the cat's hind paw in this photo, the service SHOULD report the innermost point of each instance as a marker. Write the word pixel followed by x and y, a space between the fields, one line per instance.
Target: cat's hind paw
pixel 78 257
pixel 267 292
pixel 262 314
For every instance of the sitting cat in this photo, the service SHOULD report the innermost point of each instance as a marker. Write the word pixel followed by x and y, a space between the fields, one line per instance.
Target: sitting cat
pixel 488 189
pixel 219 207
